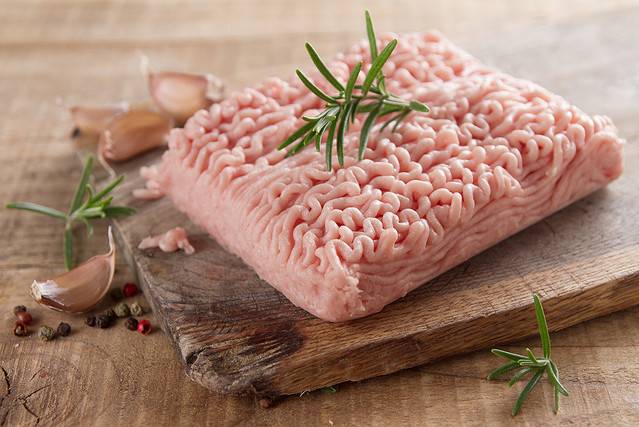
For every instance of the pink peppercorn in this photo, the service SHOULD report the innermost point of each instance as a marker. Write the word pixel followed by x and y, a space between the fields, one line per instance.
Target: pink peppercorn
pixel 144 327
pixel 129 289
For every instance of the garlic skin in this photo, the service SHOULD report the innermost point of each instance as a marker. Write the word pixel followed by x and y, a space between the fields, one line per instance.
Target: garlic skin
pixel 183 94
pixel 133 132
pixel 93 120
pixel 80 289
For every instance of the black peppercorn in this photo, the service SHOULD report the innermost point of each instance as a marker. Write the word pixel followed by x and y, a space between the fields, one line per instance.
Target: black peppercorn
pixel 19 309
pixel 131 324
pixel 116 294
pixel 20 330
pixel 110 314
pixel 90 321
pixel 64 329
pixel 103 321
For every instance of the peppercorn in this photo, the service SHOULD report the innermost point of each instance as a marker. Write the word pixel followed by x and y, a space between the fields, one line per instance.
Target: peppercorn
pixel 64 329
pixel 110 314
pixel 46 333
pixel 116 294
pixel 129 289
pixel 122 310
pixel 265 403
pixel 103 321
pixel 131 323
pixel 136 309
pixel 144 327
pixel 20 330
pixel 24 317
pixel 19 309
pixel 90 321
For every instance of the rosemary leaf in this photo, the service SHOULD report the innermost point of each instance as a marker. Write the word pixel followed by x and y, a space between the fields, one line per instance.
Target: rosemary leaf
pixel 341 130
pixel 401 116
pixel 323 68
pixel 531 355
pixel 370 32
pixel 507 354
pixel 78 197
pixel 113 211
pixel 526 391
pixel 377 65
pixel 553 375
pixel 518 375
pixel 363 136
pixel 348 93
pixel 418 106
pixel 329 146
pixel 502 370
pixel 106 190
pixel 296 135
pixel 34 207
pixel 317 91
pixel 542 325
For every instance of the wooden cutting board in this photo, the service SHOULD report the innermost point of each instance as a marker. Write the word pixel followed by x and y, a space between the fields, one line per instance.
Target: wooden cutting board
pixel 236 334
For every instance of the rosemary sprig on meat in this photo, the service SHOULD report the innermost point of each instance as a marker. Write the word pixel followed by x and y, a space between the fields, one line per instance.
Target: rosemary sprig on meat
pixel 530 364
pixel 371 97
pixel 86 205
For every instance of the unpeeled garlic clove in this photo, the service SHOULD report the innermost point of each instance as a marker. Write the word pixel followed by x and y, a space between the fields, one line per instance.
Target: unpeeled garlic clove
pixel 80 289
pixel 93 120
pixel 183 94
pixel 133 132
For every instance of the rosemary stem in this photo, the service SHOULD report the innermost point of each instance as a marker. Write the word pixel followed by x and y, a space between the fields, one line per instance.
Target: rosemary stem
pixel 68 245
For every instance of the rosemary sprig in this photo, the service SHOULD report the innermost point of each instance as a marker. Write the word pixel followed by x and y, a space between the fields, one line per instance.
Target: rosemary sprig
pixel 530 364
pixel 86 205
pixel 351 99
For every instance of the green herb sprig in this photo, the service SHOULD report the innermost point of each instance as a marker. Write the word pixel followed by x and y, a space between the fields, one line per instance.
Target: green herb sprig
pixel 530 364
pixel 370 97
pixel 86 205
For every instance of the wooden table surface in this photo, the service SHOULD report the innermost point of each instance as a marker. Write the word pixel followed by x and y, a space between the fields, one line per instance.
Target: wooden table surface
pixel 57 53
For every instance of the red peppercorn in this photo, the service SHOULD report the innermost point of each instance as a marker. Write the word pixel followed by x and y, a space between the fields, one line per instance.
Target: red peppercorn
pixel 144 327
pixel 24 317
pixel 129 289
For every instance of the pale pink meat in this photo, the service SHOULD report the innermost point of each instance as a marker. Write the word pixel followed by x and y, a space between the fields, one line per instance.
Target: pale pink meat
pixel 495 155
pixel 169 241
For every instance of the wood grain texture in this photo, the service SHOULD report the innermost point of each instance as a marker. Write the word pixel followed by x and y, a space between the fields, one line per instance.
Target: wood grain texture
pixel 87 52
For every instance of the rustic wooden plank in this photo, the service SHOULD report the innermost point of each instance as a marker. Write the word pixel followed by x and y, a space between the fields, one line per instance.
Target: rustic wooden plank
pixel 235 334
pixel 86 52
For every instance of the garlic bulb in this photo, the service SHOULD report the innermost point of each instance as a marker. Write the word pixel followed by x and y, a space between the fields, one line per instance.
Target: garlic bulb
pixel 133 132
pixel 182 94
pixel 80 289
pixel 92 120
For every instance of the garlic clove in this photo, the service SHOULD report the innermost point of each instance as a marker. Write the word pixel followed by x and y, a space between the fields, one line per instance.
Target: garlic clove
pixel 80 289
pixel 183 94
pixel 92 120
pixel 133 132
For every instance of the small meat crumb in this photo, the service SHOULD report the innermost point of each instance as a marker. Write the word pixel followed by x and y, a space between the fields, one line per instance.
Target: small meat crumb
pixel 152 189
pixel 170 241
